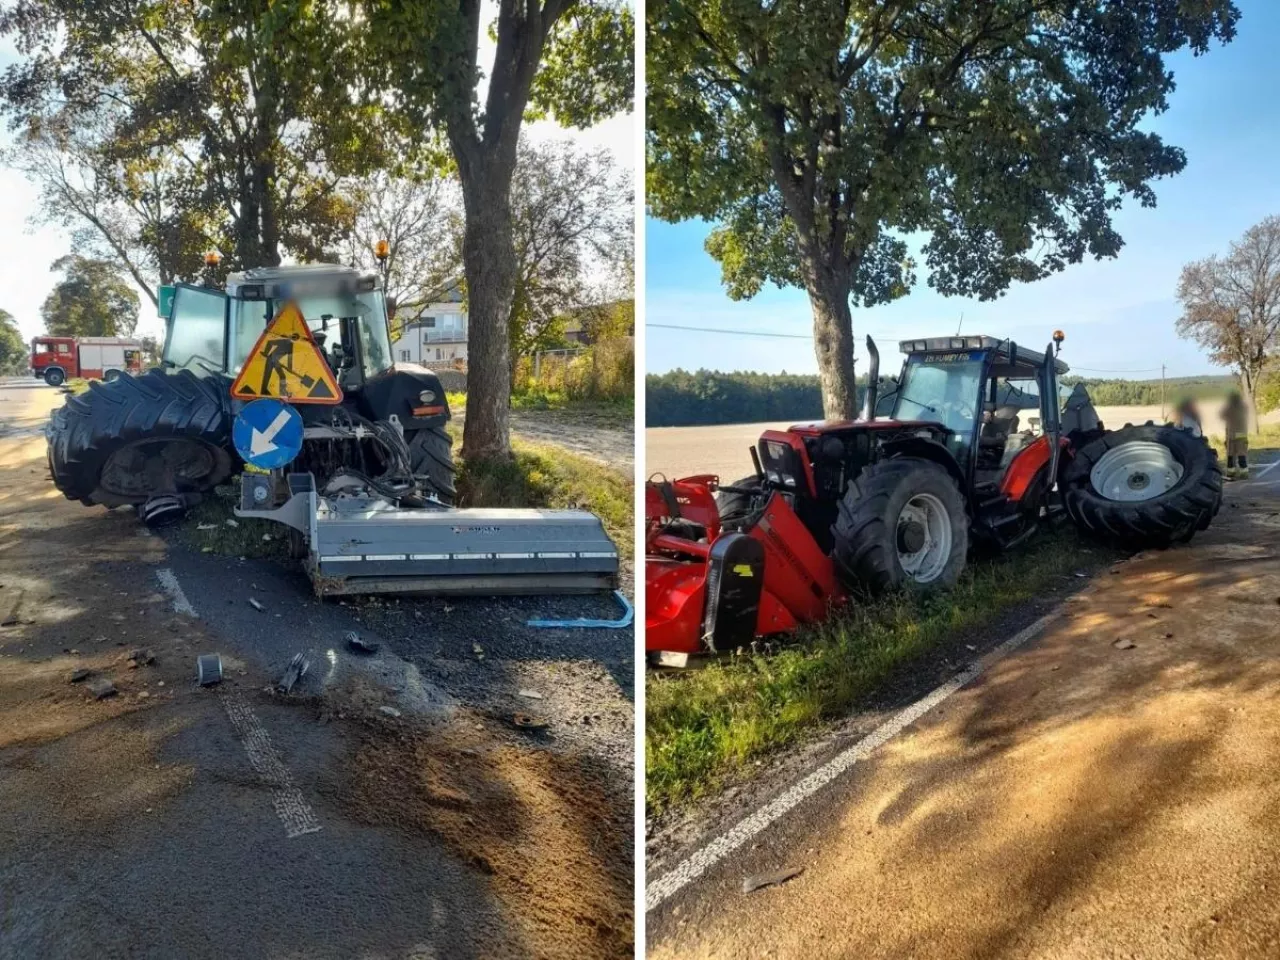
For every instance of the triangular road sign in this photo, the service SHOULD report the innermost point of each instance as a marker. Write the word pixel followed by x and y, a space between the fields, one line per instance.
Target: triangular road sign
pixel 286 362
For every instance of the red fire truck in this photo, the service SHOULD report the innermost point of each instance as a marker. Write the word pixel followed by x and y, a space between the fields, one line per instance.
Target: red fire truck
pixel 57 359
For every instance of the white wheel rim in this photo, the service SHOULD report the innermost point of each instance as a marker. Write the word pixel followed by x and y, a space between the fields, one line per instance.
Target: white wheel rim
pixel 930 514
pixel 1137 471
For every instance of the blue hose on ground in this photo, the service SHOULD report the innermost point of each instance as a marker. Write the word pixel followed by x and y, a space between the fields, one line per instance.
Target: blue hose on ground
pixel 628 615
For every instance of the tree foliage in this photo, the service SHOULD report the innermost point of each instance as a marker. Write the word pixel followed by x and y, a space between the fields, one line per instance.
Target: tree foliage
pixel 568 60
pixel 91 300
pixel 1231 304
pixel 572 213
pixel 820 137
pixel 229 125
pixel 420 218
pixel 13 349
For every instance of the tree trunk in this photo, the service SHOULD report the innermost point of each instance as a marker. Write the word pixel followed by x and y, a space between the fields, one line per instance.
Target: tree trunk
pixel 1249 381
pixel 489 262
pixel 833 343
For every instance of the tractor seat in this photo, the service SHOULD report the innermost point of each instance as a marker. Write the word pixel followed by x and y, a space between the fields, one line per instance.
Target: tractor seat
pixel 998 423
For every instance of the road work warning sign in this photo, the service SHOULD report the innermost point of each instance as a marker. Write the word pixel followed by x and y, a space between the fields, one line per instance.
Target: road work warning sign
pixel 286 363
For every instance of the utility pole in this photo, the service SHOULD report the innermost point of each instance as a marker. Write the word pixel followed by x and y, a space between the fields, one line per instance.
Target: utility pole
pixel 1162 391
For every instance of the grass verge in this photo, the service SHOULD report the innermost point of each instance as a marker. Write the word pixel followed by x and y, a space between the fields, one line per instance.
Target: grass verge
pixel 213 527
pixel 706 725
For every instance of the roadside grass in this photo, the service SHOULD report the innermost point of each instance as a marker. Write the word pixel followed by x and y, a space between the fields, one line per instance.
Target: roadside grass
pixel 546 476
pixel 212 527
pixel 705 726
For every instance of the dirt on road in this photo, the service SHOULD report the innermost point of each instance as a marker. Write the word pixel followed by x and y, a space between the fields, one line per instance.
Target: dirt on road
pixel 387 808
pixel 1109 790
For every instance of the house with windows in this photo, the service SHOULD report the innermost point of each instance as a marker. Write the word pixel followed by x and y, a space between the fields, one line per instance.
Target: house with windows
pixel 437 334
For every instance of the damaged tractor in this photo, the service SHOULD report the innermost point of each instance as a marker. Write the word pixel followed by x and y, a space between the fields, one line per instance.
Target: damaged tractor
pixel 367 497
pixel 981 446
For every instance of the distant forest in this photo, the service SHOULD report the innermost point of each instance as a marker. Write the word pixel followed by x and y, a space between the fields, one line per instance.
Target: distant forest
pixel 682 399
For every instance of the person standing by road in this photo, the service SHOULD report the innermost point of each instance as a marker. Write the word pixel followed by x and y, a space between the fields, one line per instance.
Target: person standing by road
pixel 1188 417
pixel 1236 418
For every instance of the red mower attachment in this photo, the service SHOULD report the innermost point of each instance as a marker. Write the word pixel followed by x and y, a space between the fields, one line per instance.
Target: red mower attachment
pixel 710 590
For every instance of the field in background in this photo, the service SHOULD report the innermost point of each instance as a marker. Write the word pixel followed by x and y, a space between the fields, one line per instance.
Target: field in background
pixel 681 451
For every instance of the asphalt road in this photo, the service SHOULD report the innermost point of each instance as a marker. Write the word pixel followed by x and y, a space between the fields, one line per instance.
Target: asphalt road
pixel 1105 788
pixel 386 808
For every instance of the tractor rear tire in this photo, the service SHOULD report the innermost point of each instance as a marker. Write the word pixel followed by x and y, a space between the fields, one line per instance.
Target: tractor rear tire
pixel 431 457
pixel 736 508
pixel 142 413
pixel 873 533
pixel 1173 515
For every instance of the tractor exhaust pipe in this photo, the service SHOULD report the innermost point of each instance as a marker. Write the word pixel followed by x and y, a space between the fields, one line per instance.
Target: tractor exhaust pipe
pixel 873 381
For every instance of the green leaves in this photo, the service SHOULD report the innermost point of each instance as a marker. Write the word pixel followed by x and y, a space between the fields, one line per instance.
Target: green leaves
pixel 588 66
pixel 92 300
pixel 815 132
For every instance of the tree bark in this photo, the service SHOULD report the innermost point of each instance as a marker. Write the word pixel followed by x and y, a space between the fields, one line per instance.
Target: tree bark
pixel 1249 381
pixel 489 263
pixel 833 342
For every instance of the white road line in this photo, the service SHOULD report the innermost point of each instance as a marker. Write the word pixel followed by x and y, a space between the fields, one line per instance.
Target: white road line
pixel 169 583
pixel 1270 466
pixel 290 806
pixel 663 888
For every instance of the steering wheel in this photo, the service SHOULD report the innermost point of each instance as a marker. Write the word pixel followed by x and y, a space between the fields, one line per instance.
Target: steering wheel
pixel 960 407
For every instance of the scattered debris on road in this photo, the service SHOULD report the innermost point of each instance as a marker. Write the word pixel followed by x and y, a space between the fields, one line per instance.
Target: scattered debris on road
pixel 774 879
pixel 1124 644
pixel 531 695
pixel 255 604
pixel 142 658
pixel 357 642
pixel 208 669
pixel 296 670
pixel 522 721
pixel 101 688
pixel 81 674
pixel 389 711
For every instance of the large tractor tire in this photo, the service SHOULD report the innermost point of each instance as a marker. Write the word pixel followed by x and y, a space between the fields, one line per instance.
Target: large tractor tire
pixel 901 524
pixel 126 441
pixel 1143 487
pixel 431 457
pixel 736 509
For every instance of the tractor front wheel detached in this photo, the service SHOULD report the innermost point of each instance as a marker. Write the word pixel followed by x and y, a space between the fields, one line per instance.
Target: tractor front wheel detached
pixel 1142 487
pixel 901 523
pixel 135 438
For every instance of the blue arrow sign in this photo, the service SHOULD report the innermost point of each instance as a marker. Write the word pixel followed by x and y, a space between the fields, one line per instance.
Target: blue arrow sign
pixel 267 433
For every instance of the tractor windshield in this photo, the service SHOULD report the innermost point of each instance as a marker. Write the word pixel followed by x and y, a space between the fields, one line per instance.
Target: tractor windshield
pixel 323 315
pixel 942 388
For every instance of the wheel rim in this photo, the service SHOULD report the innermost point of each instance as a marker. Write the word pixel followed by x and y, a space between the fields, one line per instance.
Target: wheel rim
pixel 1137 471
pixel 923 538
pixel 148 467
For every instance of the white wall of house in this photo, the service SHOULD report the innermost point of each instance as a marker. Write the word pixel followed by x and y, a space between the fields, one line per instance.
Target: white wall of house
pixel 438 335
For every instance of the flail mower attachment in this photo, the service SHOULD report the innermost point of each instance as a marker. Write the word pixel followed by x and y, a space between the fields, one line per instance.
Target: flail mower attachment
pixel 710 590
pixel 366 544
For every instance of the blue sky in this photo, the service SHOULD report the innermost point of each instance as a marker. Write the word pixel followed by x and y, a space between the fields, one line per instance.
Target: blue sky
pixel 1118 315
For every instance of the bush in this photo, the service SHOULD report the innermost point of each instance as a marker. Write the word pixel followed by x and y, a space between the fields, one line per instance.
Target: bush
pixel 602 373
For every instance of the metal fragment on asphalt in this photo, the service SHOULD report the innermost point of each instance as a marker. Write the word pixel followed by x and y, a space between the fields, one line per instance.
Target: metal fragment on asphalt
pixel 209 669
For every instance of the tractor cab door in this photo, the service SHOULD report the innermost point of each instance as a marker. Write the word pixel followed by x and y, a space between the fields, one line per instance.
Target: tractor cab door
pixel 196 330
pixel 1050 409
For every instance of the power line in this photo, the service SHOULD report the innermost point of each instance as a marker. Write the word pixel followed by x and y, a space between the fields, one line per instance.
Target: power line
pixel 737 333
pixel 1074 368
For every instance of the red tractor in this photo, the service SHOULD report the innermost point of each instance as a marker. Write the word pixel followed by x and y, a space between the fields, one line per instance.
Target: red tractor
pixel 839 508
